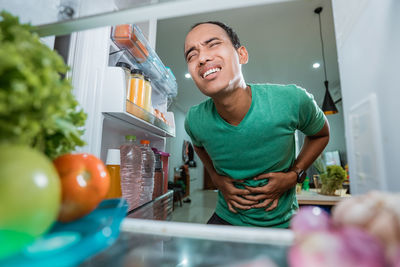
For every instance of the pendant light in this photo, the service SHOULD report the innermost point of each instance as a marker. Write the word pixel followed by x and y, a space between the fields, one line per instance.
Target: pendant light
pixel 328 106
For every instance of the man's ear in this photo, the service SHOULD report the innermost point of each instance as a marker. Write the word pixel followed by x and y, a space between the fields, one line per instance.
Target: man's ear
pixel 243 55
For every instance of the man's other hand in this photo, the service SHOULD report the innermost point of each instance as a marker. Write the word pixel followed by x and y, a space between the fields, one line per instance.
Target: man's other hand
pixel 234 196
pixel 267 196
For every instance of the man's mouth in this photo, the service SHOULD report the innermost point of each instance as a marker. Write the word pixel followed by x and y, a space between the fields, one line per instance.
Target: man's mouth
pixel 210 71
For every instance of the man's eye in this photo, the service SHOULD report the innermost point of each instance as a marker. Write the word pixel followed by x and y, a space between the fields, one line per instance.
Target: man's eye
pixel 214 44
pixel 190 56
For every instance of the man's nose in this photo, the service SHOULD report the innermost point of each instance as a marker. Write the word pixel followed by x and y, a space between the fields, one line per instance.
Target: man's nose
pixel 204 56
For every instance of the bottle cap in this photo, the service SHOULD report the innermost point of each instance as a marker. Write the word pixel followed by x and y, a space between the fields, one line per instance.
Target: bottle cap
pixel 137 71
pixel 145 142
pixel 113 157
pixel 147 78
pixel 130 138
pixel 123 65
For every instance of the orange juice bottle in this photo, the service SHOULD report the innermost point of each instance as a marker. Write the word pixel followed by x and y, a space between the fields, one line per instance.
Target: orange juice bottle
pixel 136 88
pixel 113 167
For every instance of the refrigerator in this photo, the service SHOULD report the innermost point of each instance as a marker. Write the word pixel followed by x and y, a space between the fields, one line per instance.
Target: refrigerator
pixel 83 38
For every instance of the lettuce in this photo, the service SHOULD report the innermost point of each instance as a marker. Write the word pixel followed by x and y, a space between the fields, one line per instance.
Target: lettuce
pixel 37 107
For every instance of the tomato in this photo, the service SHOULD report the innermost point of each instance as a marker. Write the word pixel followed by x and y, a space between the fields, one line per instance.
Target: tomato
pixel 30 196
pixel 84 184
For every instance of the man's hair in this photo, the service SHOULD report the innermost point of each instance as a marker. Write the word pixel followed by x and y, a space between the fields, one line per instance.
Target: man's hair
pixel 231 33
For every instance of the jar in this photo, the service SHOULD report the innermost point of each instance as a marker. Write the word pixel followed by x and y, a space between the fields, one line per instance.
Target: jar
pixel 127 68
pixel 147 94
pixel 136 88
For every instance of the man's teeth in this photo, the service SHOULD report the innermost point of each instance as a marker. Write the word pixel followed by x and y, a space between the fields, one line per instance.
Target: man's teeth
pixel 211 71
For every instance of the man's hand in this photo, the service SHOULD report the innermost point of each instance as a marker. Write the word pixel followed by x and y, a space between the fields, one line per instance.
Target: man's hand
pixel 278 183
pixel 232 194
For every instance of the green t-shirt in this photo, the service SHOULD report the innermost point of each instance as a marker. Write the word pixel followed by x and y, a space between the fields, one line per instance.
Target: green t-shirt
pixel 263 142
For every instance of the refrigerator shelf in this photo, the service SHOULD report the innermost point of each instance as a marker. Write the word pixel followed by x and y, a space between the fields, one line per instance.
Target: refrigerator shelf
pixel 145 120
pixel 116 105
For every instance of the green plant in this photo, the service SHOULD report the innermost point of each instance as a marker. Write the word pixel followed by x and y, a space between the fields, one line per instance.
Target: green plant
pixel 37 107
pixel 332 179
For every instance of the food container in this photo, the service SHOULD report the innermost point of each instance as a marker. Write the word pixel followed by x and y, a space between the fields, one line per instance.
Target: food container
pixel 125 37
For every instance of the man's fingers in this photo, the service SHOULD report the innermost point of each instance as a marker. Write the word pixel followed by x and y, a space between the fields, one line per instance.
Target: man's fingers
pixel 238 206
pixel 255 197
pixel 230 208
pixel 256 190
pixel 262 176
pixel 243 201
pixel 237 191
pixel 273 206
pixel 263 204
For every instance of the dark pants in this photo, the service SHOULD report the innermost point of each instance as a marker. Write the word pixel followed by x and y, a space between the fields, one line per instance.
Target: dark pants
pixel 215 219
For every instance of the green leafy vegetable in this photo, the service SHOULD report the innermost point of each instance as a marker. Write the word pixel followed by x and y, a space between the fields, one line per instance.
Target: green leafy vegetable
pixel 37 107
pixel 332 179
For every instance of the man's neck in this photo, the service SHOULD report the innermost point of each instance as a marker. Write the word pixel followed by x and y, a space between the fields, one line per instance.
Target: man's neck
pixel 234 105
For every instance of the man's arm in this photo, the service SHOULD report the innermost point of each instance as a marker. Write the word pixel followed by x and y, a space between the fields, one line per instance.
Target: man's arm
pixel 225 184
pixel 312 148
pixel 280 182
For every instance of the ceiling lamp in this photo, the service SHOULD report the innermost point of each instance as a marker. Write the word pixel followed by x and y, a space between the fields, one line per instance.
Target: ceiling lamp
pixel 328 106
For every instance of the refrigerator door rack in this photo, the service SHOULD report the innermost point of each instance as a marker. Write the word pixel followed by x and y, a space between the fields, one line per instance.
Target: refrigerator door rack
pixel 129 37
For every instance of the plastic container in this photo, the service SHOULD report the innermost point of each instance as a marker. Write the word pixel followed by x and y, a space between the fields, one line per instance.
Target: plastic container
pixel 136 90
pixel 125 36
pixel 164 159
pixel 70 244
pixel 147 172
pixel 147 94
pixel 158 174
pixel 113 163
pixel 131 167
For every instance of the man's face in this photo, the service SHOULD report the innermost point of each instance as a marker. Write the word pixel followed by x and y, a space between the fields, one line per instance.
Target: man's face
pixel 213 62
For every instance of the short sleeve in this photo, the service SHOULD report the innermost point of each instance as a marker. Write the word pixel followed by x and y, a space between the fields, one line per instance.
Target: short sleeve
pixel 311 117
pixel 189 131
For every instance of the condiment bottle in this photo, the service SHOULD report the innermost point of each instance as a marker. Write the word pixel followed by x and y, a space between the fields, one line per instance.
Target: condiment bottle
pixel 113 167
pixel 147 94
pixel 136 88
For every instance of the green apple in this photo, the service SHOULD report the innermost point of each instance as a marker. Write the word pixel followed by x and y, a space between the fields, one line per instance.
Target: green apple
pixel 30 196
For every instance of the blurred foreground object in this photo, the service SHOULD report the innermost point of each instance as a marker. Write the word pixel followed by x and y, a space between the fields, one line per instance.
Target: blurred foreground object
pixel 37 107
pixel 30 196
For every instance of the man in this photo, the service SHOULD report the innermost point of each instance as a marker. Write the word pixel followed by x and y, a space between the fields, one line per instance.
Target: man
pixel 244 134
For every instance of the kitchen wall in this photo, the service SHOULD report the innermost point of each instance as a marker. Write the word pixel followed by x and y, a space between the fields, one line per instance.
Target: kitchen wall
pixel 368 41
pixel 337 140
pixel 174 147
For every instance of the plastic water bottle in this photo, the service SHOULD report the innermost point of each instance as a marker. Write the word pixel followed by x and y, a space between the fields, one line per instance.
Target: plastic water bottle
pixel 147 172
pixel 131 166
